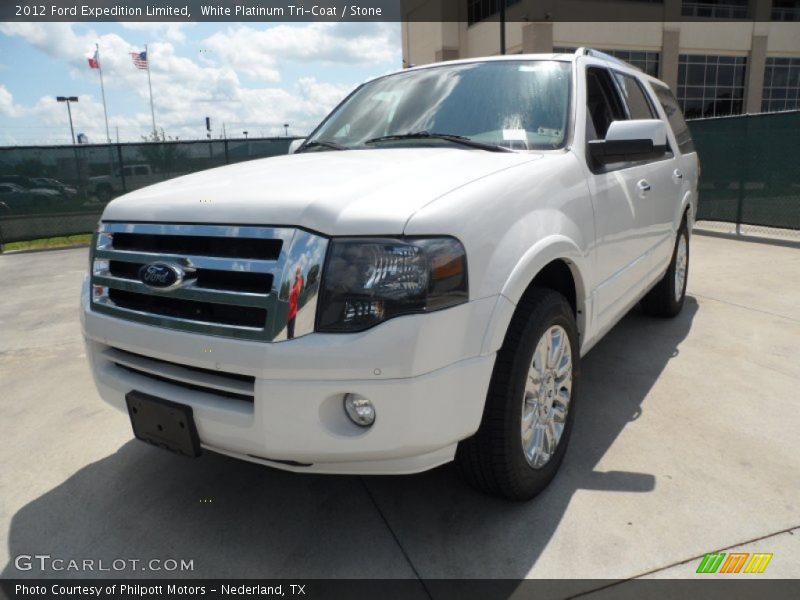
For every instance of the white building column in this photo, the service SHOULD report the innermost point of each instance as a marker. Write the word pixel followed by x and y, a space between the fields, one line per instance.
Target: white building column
pixel 537 38
pixel 754 74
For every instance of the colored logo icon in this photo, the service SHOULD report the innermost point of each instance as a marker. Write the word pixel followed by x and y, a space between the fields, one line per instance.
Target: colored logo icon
pixel 736 562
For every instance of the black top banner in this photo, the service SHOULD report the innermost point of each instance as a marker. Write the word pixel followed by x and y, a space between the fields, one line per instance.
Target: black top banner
pixel 469 11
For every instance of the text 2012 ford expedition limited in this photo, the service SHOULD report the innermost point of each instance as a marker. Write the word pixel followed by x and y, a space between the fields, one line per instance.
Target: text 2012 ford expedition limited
pixel 415 284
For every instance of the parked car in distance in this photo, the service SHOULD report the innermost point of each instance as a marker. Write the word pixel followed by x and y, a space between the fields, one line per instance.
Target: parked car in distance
pixel 20 200
pixel 415 284
pixel 130 177
pixel 54 184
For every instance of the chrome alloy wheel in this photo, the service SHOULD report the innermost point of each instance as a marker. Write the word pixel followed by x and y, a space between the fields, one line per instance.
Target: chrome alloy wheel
pixel 681 264
pixel 548 390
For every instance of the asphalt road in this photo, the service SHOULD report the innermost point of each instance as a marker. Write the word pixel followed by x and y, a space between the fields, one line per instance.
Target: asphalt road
pixel 686 442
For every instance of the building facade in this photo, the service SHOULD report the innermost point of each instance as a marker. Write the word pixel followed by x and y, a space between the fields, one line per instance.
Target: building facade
pixel 737 56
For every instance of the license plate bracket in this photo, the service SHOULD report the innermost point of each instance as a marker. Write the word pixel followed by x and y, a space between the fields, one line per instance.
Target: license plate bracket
pixel 163 423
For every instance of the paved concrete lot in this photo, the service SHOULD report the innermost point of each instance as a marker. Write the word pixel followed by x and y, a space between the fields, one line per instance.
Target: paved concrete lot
pixel 686 442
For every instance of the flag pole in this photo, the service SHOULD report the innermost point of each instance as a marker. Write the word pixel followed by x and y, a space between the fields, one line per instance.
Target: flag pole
pixel 150 85
pixel 102 91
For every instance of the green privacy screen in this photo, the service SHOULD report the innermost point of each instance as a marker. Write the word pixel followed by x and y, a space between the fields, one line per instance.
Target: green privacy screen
pixel 750 174
pixel 48 191
pixel 750 169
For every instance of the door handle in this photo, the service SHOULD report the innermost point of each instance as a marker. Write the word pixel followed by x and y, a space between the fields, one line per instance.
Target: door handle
pixel 643 186
pixel 677 174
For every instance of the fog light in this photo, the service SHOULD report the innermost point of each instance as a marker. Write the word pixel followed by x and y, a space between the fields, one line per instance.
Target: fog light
pixel 360 410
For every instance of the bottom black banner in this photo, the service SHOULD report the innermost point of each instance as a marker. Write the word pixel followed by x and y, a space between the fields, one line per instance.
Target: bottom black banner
pixel 389 589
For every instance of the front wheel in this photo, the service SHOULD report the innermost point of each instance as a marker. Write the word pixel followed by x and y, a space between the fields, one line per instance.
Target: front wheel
pixel 530 406
pixel 667 297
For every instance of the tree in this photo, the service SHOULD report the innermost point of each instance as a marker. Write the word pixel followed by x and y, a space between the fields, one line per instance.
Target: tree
pixel 162 156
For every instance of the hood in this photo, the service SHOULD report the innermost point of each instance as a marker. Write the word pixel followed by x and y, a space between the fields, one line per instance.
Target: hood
pixel 350 192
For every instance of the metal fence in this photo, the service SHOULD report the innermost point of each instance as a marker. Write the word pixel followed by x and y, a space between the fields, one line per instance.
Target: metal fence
pixel 750 170
pixel 750 175
pixel 48 191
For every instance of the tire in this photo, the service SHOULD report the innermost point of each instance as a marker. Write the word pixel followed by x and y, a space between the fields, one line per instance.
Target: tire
pixel 494 459
pixel 666 299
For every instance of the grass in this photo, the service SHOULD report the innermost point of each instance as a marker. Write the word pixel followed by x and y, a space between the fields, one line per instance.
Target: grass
pixel 53 242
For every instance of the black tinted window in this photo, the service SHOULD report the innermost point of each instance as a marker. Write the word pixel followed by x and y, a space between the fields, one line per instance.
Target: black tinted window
pixel 603 105
pixel 637 102
pixel 675 117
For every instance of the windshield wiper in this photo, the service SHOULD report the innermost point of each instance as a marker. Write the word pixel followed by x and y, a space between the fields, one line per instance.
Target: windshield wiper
pixel 323 144
pixel 427 135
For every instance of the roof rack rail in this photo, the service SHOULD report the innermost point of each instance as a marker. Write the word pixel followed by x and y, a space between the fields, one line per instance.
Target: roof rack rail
pixel 603 56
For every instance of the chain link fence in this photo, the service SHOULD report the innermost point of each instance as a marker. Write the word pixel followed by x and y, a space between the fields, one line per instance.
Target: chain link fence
pixel 49 191
pixel 750 180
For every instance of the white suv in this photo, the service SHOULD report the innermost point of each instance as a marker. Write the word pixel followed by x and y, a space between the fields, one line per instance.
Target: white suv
pixel 415 284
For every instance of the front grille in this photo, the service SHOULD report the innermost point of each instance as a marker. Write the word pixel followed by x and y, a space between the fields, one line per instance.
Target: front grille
pixel 176 308
pixel 202 245
pixel 210 279
pixel 234 386
pixel 236 278
pixel 188 386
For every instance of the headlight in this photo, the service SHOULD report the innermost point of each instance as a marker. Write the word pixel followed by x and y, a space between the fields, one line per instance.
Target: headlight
pixel 367 281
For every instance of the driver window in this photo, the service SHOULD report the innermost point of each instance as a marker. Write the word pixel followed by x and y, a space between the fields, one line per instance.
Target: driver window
pixel 603 105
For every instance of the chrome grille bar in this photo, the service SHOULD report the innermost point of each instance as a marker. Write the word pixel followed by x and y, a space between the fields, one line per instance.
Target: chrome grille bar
pixel 185 293
pixel 198 262
pixel 241 309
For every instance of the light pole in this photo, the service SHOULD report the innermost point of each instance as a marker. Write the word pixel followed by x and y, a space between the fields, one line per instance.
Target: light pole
pixel 69 99
pixel 245 134
pixel 503 26
pixel 286 129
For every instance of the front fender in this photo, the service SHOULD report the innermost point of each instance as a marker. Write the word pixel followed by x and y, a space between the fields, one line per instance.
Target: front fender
pixel 545 251
pixel 688 201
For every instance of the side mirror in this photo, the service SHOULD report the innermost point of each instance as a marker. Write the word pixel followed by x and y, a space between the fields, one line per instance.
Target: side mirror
pixel 295 144
pixel 642 139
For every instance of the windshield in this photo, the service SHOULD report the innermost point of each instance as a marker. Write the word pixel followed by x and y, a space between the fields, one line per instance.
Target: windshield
pixel 522 105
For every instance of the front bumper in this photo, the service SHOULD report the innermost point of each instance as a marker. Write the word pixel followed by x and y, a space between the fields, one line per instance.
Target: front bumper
pixel 424 374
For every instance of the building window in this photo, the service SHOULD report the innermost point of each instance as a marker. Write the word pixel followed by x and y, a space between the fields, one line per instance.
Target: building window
pixel 785 10
pixel 641 59
pixel 480 10
pixel 781 84
pixel 710 86
pixel 715 9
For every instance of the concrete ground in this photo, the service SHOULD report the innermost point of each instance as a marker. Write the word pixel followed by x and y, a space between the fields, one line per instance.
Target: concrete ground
pixel 686 442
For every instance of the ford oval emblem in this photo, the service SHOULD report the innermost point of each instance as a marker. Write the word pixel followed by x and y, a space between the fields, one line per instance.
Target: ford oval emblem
pixel 161 275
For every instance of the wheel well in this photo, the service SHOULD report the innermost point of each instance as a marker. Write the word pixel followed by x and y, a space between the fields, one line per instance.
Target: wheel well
pixel 558 277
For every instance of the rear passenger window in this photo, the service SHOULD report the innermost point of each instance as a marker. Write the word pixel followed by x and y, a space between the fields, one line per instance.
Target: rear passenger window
pixel 675 118
pixel 638 105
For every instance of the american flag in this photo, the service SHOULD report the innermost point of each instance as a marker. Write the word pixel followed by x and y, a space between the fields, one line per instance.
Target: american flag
pixel 139 59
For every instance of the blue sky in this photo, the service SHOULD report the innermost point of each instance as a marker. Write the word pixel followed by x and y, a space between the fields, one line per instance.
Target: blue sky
pixel 253 76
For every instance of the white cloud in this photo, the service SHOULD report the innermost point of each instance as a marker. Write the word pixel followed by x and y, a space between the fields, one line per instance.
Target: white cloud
pixel 173 32
pixel 257 52
pixel 6 102
pixel 186 89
